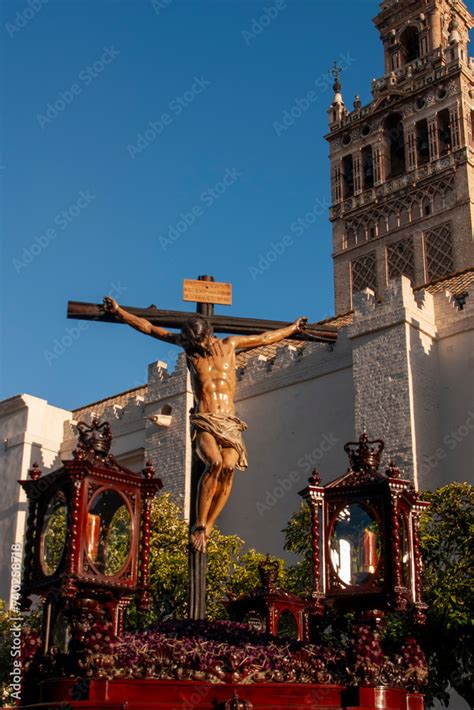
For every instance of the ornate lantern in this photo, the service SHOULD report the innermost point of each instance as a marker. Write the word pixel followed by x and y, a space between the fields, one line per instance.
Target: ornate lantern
pixel 270 609
pixel 364 532
pixel 87 536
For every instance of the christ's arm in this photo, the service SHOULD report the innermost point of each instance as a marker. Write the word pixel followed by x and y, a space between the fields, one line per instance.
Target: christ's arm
pixel 140 324
pixel 241 342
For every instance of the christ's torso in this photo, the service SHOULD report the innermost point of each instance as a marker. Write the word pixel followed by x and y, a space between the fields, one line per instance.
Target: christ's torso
pixel 214 379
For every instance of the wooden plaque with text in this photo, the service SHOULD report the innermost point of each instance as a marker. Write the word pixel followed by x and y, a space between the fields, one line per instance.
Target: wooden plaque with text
pixel 207 292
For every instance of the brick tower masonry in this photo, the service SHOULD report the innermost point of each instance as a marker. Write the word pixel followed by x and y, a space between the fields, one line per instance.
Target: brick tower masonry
pixel 402 166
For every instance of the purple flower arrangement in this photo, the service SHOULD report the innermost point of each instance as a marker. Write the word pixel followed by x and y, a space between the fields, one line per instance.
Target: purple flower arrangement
pixel 228 652
pixel 367 654
pixel 414 665
pixel 217 652
pixel 368 665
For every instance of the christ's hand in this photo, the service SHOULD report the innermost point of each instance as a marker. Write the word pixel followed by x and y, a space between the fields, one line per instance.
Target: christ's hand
pixel 110 305
pixel 301 324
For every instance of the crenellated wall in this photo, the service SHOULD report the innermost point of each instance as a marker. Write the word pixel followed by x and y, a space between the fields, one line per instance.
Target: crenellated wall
pixel 126 414
pixel 413 375
pixel 169 449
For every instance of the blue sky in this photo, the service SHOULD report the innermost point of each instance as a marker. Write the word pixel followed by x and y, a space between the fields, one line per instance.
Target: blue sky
pixel 122 121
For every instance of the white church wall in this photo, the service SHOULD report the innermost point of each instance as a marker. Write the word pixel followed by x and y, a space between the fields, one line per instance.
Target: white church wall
pixel 299 414
pixel 455 455
pixel 422 355
pixel 32 430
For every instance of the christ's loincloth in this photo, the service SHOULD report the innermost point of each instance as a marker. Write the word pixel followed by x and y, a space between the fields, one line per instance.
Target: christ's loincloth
pixel 226 430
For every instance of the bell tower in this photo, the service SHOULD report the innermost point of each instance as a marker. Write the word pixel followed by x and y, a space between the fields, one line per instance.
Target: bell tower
pixel 402 167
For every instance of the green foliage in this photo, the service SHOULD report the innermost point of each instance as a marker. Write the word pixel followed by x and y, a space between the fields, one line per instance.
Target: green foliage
pixel 245 576
pixel 55 534
pixel 117 545
pixel 298 540
pixel 229 568
pixel 447 543
pixel 297 531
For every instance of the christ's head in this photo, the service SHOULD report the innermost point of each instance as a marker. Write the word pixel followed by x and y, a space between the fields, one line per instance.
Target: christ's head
pixel 196 335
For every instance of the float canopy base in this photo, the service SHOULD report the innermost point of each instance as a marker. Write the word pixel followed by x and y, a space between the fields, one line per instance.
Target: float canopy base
pixel 173 695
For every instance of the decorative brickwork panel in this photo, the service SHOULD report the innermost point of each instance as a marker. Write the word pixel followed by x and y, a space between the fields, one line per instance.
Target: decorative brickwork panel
pixel 364 272
pixel 401 259
pixel 439 251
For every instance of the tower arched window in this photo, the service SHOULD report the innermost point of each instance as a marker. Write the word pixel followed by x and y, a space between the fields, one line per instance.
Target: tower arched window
pixel 422 142
pixel 395 144
pixel 410 44
pixel 444 132
pixel 367 167
pixel 348 176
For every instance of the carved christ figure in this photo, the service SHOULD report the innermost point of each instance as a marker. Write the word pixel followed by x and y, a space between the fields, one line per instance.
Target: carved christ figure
pixel 217 432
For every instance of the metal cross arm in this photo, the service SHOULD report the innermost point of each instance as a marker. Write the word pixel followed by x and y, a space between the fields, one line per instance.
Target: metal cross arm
pixel 221 323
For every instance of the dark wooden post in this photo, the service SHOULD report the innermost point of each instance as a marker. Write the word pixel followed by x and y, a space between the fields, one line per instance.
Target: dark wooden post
pixel 148 493
pixel 316 497
pixel 400 602
pixel 197 561
pixel 25 601
pixel 420 606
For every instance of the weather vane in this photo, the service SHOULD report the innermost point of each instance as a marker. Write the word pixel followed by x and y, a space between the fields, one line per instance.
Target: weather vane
pixel 336 71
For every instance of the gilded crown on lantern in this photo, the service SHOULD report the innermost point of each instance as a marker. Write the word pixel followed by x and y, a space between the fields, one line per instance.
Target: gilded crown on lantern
pixel 364 455
pixel 95 437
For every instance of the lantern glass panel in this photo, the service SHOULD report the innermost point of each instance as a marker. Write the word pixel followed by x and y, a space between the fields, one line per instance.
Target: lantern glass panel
pixel 109 532
pixel 287 625
pixel 355 545
pixel 61 634
pixel 53 533
pixel 404 551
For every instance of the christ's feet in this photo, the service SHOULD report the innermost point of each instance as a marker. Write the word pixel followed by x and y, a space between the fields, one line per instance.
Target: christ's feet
pixel 198 539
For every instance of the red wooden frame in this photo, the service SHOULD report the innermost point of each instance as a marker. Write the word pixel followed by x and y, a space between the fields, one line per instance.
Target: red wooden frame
pixel 182 695
pixel 76 583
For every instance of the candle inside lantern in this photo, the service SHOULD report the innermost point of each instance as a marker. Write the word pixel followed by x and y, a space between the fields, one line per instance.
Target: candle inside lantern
pixel 369 551
pixel 93 530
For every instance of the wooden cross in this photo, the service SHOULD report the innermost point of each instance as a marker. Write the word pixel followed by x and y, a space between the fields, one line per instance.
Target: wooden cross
pixel 205 292
pixel 220 323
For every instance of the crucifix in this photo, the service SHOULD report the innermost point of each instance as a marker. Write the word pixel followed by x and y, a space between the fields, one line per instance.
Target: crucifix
pixel 217 432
